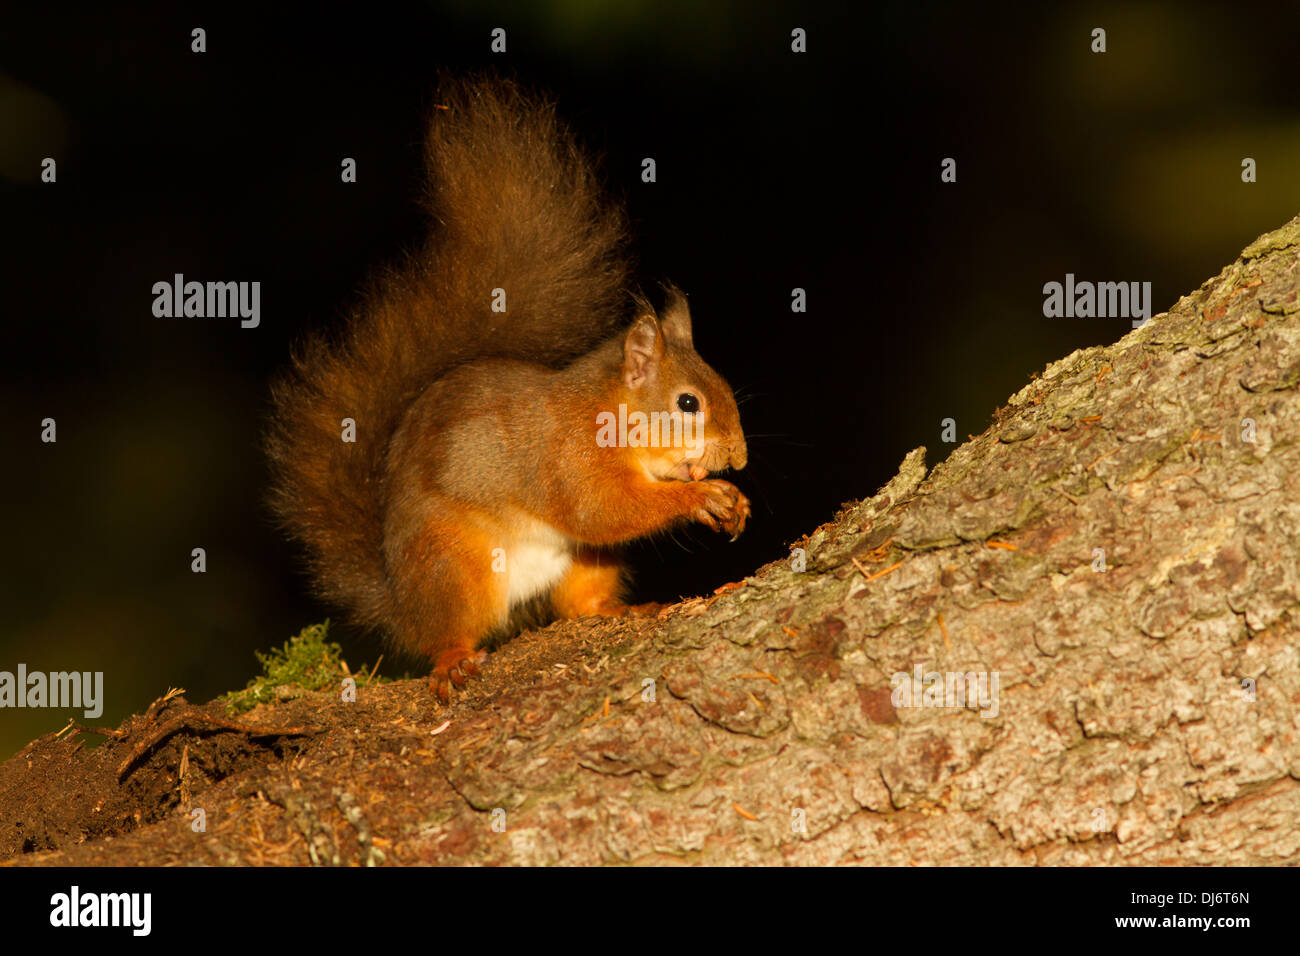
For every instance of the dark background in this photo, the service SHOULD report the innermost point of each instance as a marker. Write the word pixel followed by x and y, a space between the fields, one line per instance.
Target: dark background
pixel 775 170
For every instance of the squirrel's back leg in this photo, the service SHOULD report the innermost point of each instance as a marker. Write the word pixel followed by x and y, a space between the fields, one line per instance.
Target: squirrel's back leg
pixel 595 584
pixel 592 585
pixel 445 596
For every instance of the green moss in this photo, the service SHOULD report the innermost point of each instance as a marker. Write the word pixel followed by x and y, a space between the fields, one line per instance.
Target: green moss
pixel 307 662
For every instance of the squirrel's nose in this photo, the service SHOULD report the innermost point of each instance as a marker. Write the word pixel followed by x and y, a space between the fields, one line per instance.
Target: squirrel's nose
pixel 739 455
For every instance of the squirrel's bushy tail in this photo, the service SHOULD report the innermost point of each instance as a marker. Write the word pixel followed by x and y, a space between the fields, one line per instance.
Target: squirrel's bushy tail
pixel 516 207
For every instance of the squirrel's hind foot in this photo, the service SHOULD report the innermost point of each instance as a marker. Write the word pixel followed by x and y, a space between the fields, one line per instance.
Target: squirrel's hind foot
pixel 453 668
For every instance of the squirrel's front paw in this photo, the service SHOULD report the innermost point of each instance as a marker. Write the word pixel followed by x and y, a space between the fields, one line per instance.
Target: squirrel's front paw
pixel 454 667
pixel 722 507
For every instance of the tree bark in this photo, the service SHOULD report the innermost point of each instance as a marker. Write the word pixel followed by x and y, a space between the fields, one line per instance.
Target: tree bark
pixel 1119 549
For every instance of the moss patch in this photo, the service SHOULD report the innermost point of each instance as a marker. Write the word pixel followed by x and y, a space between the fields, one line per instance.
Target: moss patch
pixel 306 662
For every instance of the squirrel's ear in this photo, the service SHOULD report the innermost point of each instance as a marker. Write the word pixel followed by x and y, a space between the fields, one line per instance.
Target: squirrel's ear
pixel 643 347
pixel 677 317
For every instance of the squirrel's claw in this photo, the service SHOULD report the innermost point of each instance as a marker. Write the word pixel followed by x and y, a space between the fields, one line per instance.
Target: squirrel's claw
pixel 454 667
pixel 723 508
pixel 742 516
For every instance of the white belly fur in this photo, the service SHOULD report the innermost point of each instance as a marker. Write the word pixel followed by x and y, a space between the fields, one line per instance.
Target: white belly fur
pixel 539 558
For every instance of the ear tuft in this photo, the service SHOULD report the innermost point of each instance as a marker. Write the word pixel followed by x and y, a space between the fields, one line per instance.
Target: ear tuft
pixel 677 317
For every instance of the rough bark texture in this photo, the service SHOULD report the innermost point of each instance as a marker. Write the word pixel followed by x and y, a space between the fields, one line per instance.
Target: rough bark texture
pixel 1123 733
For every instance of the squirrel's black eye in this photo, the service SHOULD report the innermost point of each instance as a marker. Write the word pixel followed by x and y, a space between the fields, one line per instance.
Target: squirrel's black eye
pixel 688 402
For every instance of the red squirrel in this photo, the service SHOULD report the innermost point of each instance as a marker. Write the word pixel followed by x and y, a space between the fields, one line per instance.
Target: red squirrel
pixel 483 379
